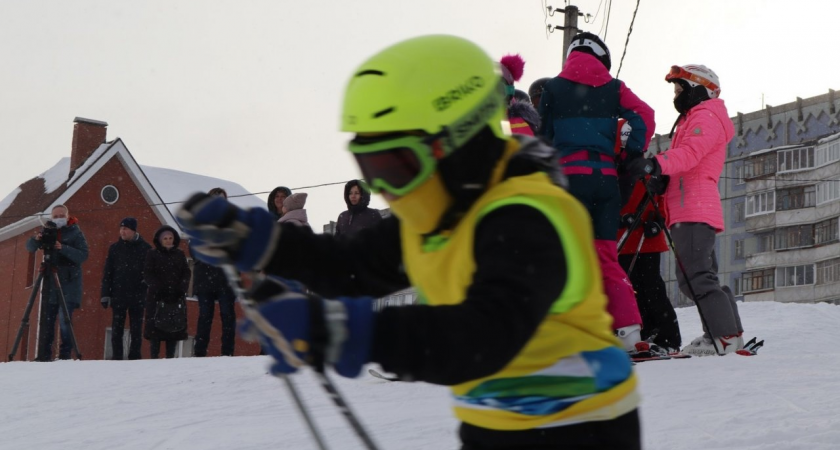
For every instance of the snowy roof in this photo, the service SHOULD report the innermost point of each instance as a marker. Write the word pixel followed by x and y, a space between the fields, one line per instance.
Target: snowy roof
pixel 56 175
pixel 174 187
pixel 828 138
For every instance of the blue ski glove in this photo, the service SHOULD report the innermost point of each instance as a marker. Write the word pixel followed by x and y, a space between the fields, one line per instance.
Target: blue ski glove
pixel 223 233
pixel 297 328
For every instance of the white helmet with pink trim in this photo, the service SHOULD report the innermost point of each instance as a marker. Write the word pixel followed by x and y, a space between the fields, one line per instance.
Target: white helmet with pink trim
pixel 696 75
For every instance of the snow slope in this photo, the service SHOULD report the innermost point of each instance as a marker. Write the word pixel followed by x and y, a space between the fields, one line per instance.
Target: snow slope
pixel 787 397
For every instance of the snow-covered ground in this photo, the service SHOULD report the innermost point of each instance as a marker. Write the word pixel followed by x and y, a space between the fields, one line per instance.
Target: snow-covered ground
pixel 787 397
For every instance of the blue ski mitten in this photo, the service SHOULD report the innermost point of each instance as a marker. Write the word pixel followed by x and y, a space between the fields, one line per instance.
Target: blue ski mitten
pixel 318 331
pixel 223 233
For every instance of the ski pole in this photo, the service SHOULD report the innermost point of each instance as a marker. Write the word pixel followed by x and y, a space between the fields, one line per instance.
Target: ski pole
pixel 681 266
pixel 636 256
pixel 236 284
pixel 635 219
pixel 326 383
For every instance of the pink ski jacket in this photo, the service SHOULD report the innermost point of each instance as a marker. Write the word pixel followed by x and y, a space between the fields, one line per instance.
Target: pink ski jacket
pixel 695 162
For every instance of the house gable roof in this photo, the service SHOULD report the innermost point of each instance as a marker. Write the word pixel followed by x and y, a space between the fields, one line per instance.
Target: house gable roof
pixel 34 200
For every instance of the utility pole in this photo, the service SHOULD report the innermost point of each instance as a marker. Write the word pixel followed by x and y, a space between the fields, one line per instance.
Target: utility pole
pixel 569 27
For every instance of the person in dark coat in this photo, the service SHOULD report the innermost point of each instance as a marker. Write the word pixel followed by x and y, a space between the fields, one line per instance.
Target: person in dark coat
pixel 211 285
pixel 71 250
pixel 275 200
pixel 168 276
pixel 358 215
pixel 123 287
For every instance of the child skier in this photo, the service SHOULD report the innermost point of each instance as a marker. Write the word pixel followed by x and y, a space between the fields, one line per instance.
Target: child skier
pixel 579 110
pixel 513 314
pixel 694 162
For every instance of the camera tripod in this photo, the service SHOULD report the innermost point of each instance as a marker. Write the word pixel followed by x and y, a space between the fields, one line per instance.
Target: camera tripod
pixel 45 285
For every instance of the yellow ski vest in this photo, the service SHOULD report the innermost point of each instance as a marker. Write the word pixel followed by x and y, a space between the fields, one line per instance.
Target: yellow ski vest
pixel 572 370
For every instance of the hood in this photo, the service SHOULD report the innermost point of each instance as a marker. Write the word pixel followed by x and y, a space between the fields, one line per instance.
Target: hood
pixel 273 194
pixel 363 202
pixel 527 112
pixel 585 69
pixel 717 108
pixel 295 201
pixel 160 230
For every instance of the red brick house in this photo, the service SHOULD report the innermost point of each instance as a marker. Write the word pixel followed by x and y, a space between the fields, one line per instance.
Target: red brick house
pixel 100 183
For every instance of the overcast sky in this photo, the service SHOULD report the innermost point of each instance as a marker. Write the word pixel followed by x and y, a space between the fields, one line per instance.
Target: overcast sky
pixel 250 91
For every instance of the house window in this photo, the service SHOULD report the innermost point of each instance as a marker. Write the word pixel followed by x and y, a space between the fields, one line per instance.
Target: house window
pixel 738 212
pixel 760 280
pixel 737 290
pixel 760 165
pixel 796 159
pixel 826 231
pixel 794 237
pixel 795 275
pixel 828 271
pixel 796 198
pixel 739 174
pixel 739 249
pixel 827 153
pixel 761 203
pixel 109 194
pixel 827 191
pixel 30 269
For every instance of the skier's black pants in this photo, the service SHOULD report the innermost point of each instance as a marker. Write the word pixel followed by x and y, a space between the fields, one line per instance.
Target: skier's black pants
pixel 658 315
pixel 154 348
pixel 621 433
pixel 206 308
pixel 134 310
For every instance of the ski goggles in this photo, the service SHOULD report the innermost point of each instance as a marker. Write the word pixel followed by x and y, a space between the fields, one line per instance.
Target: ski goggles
pixel 678 72
pixel 398 164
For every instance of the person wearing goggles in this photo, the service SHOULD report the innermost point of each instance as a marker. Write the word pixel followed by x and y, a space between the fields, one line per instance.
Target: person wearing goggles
pixel 695 213
pixel 511 314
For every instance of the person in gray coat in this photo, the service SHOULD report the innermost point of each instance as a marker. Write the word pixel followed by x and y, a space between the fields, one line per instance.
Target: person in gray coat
pixel 293 211
pixel 71 250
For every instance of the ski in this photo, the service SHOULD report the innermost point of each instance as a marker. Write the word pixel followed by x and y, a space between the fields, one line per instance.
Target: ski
pixel 751 347
pixel 638 359
pixel 382 376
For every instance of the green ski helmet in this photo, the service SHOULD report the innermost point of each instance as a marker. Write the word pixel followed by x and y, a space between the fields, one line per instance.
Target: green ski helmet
pixel 444 86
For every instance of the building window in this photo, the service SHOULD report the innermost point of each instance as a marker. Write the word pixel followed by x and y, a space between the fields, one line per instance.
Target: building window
pixel 109 194
pixel 796 198
pixel 766 242
pixel 739 174
pixel 760 280
pixel 827 191
pixel 760 165
pixel 826 231
pixel 828 271
pixel 739 249
pixel 795 275
pixel 796 159
pixel 737 291
pixel 827 153
pixel 761 203
pixel 794 237
pixel 738 212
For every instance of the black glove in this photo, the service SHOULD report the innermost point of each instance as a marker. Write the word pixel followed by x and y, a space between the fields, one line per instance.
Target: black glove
pixel 106 301
pixel 658 185
pixel 639 167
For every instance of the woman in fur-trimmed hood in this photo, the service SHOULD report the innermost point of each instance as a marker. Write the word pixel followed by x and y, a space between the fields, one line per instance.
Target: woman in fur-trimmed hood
pixel 358 214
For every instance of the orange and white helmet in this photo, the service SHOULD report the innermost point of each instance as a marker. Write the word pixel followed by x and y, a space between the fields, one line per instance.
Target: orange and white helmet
pixel 696 75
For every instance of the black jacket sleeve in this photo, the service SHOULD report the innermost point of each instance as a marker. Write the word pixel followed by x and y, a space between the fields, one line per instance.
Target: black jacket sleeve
pixel 520 272
pixel 108 273
pixel 366 263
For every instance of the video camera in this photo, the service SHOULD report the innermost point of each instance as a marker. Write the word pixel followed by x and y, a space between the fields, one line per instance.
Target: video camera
pixel 49 236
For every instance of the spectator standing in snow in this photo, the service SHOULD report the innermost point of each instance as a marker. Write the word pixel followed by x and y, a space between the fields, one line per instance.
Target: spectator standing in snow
pixel 123 288
pixel 580 110
pixel 210 285
pixel 293 211
pixel 168 277
pixel 71 250
pixel 694 163
pixel 276 198
pixel 358 215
